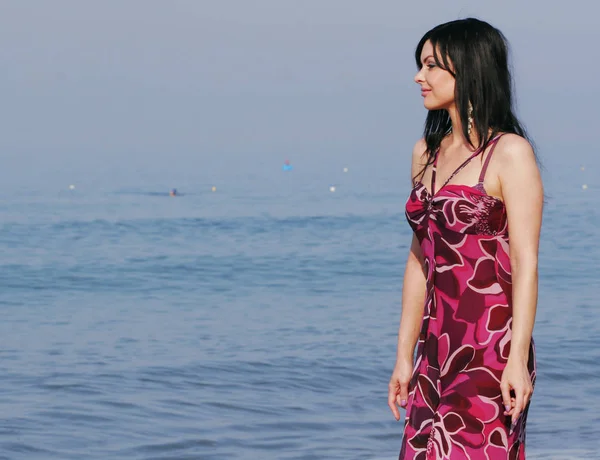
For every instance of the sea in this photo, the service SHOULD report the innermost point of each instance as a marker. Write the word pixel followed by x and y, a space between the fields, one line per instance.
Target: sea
pixel 254 315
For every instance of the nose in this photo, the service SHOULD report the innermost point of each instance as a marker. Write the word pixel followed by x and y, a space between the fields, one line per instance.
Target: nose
pixel 419 78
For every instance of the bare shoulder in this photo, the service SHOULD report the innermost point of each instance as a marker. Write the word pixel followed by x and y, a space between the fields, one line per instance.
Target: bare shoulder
pixel 420 147
pixel 513 150
pixel 516 164
pixel 419 158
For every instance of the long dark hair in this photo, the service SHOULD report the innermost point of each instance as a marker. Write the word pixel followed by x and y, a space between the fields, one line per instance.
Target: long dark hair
pixel 476 54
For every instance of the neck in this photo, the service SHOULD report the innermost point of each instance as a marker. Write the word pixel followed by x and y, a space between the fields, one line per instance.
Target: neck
pixel 457 137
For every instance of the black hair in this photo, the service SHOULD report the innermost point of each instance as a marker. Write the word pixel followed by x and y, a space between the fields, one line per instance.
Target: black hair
pixel 476 54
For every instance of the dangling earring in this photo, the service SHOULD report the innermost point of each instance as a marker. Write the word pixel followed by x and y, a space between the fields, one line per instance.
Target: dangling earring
pixel 470 119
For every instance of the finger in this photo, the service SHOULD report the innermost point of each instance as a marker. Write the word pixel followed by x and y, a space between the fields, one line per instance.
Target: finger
pixel 520 396
pixel 505 389
pixel 527 397
pixel 392 402
pixel 401 402
pixel 403 394
pixel 512 407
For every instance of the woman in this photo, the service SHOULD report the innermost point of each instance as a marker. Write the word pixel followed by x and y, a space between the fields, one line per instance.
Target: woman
pixel 468 301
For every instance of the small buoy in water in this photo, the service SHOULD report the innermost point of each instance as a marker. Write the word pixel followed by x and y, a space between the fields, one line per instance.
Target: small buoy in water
pixel 287 166
pixel 583 168
pixel 332 188
pixel 345 169
pixel 214 189
pixel 71 187
pixel 584 186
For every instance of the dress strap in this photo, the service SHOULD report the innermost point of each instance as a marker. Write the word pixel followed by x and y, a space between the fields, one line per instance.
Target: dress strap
pixel 465 163
pixel 456 171
pixel 433 170
pixel 488 158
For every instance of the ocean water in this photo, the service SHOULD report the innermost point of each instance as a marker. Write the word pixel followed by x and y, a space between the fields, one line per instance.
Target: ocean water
pixel 255 322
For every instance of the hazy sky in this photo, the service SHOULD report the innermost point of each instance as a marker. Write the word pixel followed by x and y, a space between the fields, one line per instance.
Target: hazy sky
pixel 90 81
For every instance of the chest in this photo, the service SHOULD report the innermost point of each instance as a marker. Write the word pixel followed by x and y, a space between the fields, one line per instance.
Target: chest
pixel 456 209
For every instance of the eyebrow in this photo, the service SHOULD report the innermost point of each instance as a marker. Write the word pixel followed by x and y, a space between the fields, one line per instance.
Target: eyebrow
pixel 427 57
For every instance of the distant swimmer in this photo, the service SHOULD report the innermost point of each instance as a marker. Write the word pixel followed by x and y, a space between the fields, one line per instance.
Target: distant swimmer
pixel 287 166
pixel 173 192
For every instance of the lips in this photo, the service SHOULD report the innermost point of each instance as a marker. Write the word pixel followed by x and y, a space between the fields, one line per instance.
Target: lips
pixel 425 92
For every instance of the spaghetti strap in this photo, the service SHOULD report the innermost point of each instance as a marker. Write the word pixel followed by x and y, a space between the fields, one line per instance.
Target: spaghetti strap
pixel 488 158
pixel 457 170
pixel 433 168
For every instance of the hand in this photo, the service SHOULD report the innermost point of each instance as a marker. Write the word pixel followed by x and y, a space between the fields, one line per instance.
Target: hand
pixel 516 378
pixel 398 387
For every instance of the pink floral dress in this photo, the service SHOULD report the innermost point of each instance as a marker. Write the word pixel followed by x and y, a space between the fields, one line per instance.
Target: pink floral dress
pixel 455 408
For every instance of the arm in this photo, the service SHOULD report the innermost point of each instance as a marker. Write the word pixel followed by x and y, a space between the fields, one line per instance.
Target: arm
pixel 414 285
pixel 413 295
pixel 523 195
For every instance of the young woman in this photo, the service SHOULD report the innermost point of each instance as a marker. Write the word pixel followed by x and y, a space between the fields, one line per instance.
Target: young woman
pixel 470 291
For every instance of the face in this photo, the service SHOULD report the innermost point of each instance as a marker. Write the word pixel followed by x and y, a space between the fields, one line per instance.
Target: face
pixel 437 84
